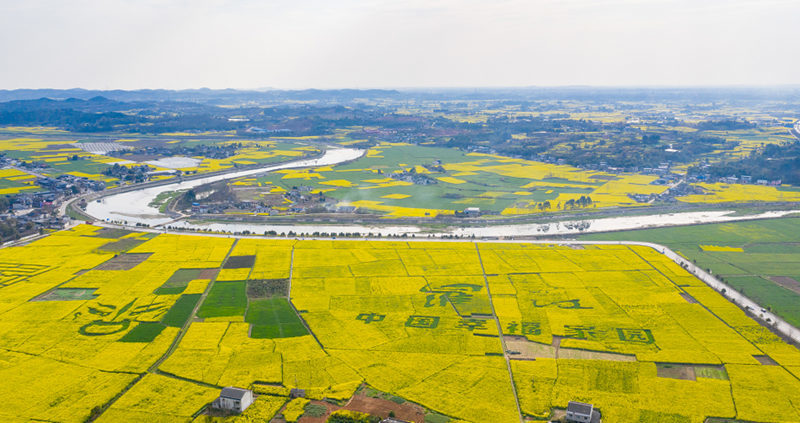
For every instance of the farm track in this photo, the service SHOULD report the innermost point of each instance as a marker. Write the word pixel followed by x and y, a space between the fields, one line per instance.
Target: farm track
pixel 114 399
pixel 500 335
pixel 289 300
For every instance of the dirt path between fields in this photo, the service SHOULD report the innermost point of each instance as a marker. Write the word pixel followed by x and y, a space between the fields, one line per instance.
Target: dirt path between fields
pixel 500 335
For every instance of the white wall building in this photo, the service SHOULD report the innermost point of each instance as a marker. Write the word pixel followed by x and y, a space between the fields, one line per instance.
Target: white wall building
pixel 234 399
pixel 579 412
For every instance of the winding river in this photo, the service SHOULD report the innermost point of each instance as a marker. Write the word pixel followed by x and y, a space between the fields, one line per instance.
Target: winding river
pixel 133 207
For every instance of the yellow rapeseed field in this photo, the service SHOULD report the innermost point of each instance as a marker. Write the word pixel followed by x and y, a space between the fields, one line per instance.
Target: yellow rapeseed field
pixel 722 248
pixel 738 193
pixel 622 327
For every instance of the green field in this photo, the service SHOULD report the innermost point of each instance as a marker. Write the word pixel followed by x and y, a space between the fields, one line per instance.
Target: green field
pixel 84 166
pixel 181 310
pixel 7 184
pixel 487 189
pixel 178 281
pixel 273 318
pixel 143 332
pixel 68 294
pixel 771 249
pixel 225 299
pixel 122 245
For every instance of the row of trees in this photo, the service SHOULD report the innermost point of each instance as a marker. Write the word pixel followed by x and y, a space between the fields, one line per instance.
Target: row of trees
pixel 582 202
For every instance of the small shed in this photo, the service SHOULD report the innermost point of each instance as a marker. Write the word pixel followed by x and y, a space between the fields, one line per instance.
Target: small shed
pixel 297 393
pixel 234 399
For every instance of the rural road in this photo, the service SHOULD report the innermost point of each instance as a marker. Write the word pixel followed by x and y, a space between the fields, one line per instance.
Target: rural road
pixel 500 335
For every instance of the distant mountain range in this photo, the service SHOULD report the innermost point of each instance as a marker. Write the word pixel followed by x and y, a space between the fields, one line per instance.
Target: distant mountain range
pixel 231 96
pixel 203 95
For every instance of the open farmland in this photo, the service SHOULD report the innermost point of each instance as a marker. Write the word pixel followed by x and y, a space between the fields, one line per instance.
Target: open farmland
pixel 56 155
pixel 760 258
pixel 465 330
pixel 404 180
pixel 737 193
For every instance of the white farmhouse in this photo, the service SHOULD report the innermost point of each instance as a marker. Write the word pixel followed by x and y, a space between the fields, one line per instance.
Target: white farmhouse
pixel 578 412
pixel 234 399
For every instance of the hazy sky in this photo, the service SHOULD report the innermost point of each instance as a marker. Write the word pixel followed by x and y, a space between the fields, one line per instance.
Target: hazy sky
pixel 106 44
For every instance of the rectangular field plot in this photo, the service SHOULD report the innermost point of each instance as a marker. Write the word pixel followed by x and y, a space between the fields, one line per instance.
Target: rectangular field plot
pixel 124 261
pixel 273 318
pixel 143 332
pixel 112 233
pixel 225 299
pixel 239 262
pixel 179 280
pixel 122 245
pixel 67 294
pixel 266 288
pixel 465 330
pixel 604 315
pixel 181 310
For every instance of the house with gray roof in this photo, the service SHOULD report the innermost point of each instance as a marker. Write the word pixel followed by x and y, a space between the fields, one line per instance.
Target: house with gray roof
pixel 233 399
pixel 579 412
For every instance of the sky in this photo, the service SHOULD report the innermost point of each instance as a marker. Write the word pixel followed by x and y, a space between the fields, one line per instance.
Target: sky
pixel 298 44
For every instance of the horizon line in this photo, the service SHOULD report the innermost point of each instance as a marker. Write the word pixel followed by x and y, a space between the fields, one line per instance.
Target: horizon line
pixel 418 88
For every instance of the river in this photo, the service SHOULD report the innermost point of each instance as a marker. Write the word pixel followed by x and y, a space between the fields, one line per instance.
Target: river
pixel 133 206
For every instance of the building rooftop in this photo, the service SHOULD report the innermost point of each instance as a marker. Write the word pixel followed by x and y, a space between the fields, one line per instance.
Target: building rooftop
pixel 233 393
pixel 580 408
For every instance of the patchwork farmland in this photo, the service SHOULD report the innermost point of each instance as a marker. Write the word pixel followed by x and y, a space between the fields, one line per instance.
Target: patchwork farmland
pixel 400 180
pixel 58 156
pixel 151 329
pixel 757 258
pixel 396 178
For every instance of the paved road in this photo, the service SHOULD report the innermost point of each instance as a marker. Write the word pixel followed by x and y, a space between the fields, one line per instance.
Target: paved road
pixel 500 333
